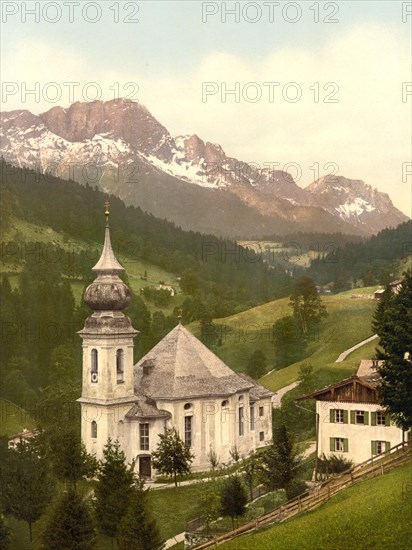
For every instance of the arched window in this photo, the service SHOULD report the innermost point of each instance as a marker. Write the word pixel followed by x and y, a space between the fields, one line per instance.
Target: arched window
pixel 120 428
pixel 94 365
pixel 120 366
pixel 94 429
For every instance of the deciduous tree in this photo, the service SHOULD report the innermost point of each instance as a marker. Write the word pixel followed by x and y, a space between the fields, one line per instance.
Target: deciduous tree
pixel 29 487
pixel 306 304
pixel 172 457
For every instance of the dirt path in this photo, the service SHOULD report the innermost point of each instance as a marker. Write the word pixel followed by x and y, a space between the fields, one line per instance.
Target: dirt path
pixel 344 354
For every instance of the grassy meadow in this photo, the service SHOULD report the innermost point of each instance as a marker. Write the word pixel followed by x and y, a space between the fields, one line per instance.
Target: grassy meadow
pixel 374 514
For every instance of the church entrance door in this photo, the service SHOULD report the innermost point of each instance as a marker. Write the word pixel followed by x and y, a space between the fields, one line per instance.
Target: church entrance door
pixel 145 467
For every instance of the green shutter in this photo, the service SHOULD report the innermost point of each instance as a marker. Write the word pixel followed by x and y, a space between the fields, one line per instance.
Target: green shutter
pixel 331 443
pixel 345 445
pixel 366 417
pixel 387 419
pixel 373 445
pixel 345 417
pixel 352 417
pixel 387 445
pixel 331 415
pixel 373 419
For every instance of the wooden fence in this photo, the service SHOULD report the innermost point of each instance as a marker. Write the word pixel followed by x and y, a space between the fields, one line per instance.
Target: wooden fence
pixel 308 501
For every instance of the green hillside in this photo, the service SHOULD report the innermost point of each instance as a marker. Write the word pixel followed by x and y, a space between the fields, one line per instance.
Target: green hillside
pixel 141 274
pixel 13 419
pixel 348 322
pixel 375 514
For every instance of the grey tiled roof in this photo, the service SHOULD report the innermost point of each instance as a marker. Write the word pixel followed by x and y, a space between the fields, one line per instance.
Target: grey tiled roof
pixel 257 391
pixel 185 368
pixel 146 409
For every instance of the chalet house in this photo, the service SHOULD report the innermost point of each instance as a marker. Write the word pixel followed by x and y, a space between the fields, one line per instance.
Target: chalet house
pixel 23 436
pixel 180 383
pixel 351 422
pixel 394 286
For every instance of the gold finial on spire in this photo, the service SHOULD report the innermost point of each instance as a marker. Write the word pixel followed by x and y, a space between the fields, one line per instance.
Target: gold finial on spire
pixel 106 211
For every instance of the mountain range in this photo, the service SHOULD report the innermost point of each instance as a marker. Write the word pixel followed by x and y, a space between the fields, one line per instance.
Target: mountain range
pixel 120 147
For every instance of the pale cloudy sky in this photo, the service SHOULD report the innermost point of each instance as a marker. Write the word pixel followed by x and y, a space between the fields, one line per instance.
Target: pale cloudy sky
pixel 312 82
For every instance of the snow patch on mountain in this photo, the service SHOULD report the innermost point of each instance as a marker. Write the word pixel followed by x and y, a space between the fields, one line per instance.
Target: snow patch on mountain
pixel 357 207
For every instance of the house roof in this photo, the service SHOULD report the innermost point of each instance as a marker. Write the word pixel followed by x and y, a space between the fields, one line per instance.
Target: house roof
pixel 146 408
pixel 184 368
pixel 346 382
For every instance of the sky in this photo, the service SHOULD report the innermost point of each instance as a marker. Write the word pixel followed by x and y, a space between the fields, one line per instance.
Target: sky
pixel 312 86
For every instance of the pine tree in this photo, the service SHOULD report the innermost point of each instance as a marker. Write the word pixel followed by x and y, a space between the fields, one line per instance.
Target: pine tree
pixel 172 457
pixel 280 462
pixel 139 529
pixel 393 323
pixel 233 498
pixel 70 459
pixel 29 488
pixel 70 526
pixel 114 488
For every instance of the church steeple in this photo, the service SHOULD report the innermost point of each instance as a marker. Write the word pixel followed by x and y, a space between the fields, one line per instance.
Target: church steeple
pixel 107 263
pixel 108 380
pixel 108 292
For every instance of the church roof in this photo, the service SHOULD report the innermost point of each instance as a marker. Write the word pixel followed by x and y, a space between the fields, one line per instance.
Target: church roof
pixel 181 367
pixel 257 391
pixel 145 408
pixel 108 262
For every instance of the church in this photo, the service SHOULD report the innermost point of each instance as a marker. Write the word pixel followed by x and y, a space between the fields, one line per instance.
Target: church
pixel 180 383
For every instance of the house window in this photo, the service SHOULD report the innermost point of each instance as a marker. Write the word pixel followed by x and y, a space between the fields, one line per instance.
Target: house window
pixel 261 436
pixel 94 365
pixel 187 406
pixel 94 429
pixel 120 366
pixel 339 418
pixel 261 411
pixel 380 418
pixel 144 436
pixel 252 417
pixel 241 422
pixel 188 431
pixel 379 447
pixel 339 444
pixel 359 417
pixel 225 403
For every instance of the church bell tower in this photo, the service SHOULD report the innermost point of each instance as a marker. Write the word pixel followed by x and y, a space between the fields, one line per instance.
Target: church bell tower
pixel 107 386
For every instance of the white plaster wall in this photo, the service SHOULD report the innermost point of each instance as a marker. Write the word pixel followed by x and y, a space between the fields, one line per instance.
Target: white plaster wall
pixel 359 436
pixel 107 387
pixel 107 419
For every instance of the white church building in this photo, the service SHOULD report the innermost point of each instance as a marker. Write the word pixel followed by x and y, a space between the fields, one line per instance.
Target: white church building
pixel 180 383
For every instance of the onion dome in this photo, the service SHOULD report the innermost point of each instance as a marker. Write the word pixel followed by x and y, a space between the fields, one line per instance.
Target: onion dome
pixel 108 292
